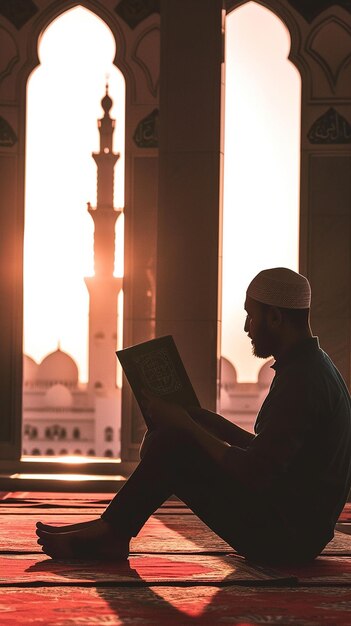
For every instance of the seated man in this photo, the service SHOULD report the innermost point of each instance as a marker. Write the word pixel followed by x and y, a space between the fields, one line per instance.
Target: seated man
pixel 274 496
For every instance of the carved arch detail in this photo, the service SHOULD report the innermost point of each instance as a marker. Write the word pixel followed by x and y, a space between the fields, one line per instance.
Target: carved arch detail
pixel 9 53
pixel 332 59
pixel 148 39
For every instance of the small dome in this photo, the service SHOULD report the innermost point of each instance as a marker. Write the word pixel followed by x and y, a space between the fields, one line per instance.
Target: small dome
pixel 228 374
pixel 58 367
pixel 58 396
pixel 106 102
pixel 30 369
pixel 266 374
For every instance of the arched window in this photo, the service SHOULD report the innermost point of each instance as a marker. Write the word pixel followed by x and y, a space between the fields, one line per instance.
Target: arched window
pixel 36 452
pixel 91 452
pixel 108 453
pixel 261 166
pixel 77 452
pixel 63 105
pixel 50 452
pixel 63 452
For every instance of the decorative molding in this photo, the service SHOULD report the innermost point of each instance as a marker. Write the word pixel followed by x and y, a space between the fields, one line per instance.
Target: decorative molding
pixel 8 137
pixel 135 11
pixel 332 58
pixel 146 133
pixel 9 54
pixel 18 12
pixel 140 56
pixel 330 128
pixel 310 9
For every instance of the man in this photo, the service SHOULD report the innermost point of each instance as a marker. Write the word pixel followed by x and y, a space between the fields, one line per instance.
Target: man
pixel 274 496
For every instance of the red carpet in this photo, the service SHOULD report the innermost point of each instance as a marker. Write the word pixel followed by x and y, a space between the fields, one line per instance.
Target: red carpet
pixel 175 606
pixel 346 513
pixel 330 570
pixel 161 534
pixel 141 569
pixel 179 573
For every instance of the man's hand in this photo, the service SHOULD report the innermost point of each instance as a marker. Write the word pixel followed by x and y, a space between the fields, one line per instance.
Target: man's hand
pixel 165 414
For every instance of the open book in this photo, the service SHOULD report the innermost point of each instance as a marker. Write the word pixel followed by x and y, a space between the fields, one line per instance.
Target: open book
pixel 156 366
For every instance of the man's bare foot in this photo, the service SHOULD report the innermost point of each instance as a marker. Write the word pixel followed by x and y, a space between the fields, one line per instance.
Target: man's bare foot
pixel 96 542
pixel 67 528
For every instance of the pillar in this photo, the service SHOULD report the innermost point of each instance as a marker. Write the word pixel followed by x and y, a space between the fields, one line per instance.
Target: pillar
pixel 190 181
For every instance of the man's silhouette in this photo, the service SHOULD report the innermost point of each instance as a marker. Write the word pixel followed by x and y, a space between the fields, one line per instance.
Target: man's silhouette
pixel 275 495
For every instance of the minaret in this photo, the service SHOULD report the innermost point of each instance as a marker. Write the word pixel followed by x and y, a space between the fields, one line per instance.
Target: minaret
pixel 103 287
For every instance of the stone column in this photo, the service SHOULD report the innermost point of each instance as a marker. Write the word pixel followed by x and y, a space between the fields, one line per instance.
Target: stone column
pixel 190 180
pixel 11 246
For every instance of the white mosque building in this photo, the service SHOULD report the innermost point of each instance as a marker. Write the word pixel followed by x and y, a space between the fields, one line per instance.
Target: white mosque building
pixel 62 416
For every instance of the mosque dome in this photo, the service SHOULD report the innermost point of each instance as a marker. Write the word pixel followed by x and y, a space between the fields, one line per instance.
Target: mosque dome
pixel 58 396
pixel 266 374
pixel 228 374
pixel 58 367
pixel 30 369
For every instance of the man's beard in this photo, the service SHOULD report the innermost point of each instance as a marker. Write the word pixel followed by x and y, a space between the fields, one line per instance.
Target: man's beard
pixel 264 343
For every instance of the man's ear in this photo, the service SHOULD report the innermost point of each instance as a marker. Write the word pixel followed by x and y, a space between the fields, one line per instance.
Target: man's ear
pixel 275 317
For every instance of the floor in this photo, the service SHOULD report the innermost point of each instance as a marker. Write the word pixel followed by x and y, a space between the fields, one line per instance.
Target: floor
pixel 178 572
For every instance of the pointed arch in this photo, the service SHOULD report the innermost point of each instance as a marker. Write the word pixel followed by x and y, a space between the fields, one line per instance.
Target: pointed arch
pixel 55 10
pixel 288 17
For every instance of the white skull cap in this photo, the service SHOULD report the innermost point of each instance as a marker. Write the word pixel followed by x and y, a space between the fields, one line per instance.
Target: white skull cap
pixel 281 287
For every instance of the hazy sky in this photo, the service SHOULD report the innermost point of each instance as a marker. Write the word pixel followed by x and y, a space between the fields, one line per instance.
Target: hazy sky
pixel 261 173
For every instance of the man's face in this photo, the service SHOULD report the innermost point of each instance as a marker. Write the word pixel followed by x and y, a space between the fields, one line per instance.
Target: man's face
pixel 257 327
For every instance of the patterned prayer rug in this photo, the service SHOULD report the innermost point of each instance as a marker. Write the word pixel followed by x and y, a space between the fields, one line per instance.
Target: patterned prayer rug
pixel 325 570
pixel 179 573
pixel 346 513
pixel 175 606
pixel 68 499
pixel 161 534
pixel 144 569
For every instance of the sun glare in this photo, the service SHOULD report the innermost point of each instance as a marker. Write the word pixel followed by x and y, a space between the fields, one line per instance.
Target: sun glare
pixel 63 104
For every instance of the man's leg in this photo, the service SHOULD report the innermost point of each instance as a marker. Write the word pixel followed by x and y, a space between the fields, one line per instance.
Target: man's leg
pixel 173 463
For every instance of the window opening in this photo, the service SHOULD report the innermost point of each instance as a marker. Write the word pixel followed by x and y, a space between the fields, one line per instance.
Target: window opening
pixel 261 188
pixel 75 107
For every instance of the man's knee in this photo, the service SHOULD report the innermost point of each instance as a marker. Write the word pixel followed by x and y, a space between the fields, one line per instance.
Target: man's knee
pixel 170 439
